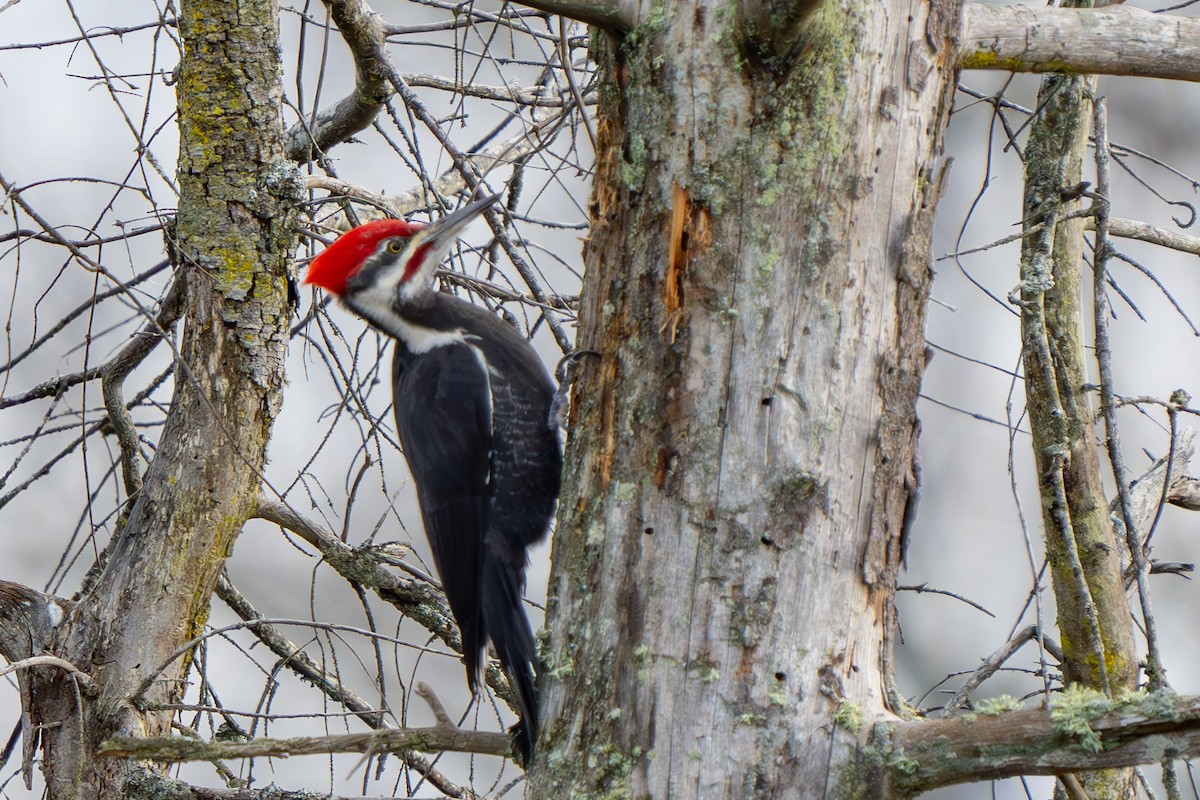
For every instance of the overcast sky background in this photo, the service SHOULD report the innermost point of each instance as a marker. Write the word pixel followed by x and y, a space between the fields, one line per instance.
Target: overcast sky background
pixel 56 121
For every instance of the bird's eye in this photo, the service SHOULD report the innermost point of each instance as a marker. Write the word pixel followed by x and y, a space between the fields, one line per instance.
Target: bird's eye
pixel 395 246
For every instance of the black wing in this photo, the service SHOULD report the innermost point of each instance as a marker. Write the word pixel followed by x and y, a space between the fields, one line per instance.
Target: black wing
pixel 444 419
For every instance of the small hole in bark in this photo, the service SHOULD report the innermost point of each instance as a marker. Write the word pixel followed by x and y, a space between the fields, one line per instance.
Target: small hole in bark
pixel 766 401
pixel 767 540
pixel 781 676
pixel 649 531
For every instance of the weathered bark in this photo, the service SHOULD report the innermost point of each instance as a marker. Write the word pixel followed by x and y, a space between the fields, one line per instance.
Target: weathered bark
pixel 741 451
pixel 1081 544
pixel 1082 731
pixel 235 238
pixel 1080 538
pixel 1121 40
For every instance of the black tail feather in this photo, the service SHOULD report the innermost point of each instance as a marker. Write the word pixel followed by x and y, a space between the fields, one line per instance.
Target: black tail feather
pixel 512 638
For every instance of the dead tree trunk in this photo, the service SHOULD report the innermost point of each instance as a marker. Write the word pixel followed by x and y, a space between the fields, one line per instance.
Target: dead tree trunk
pixel 742 449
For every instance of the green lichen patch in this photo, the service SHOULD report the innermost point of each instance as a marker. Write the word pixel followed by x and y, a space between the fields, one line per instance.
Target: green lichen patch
pixel 705 670
pixel 1073 711
pixel 849 716
pixel 995 706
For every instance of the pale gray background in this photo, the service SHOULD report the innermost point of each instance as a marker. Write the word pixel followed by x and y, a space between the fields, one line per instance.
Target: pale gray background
pixel 968 538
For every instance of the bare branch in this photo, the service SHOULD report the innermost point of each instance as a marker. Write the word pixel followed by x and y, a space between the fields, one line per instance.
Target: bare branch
pixel 117 369
pixel 522 95
pixel 992 664
pixel 1133 229
pixel 85 680
pixel 1069 737
pixel 294 657
pixel 1103 348
pixel 364 32
pixel 1117 40
pixel 1146 490
pixel 299 663
pixel 423 603
pixel 618 15
pixel 447 185
pixel 174 750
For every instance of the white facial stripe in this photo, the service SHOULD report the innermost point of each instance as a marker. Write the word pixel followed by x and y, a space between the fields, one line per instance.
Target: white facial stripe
pixel 376 304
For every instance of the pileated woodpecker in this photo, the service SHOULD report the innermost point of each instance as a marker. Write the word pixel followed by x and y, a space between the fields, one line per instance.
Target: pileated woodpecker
pixel 472 403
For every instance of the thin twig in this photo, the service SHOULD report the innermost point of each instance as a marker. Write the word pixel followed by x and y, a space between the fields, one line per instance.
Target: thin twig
pixel 1154 667
pixel 992 664
pixel 85 681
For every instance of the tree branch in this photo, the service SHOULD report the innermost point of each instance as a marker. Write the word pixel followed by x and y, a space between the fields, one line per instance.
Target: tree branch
pixel 1185 493
pixel 521 95
pixel 117 369
pixel 1080 732
pixel 295 659
pixel 1144 232
pixel 448 184
pixel 612 15
pixel 993 663
pixel 439 738
pixel 364 32
pixel 423 603
pixel 1146 491
pixel 27 621
pixel 1117 40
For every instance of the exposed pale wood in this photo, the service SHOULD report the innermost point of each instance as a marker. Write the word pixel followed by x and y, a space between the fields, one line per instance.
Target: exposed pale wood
pixel 1146 491
pixel 1185 493
pixel 1117 40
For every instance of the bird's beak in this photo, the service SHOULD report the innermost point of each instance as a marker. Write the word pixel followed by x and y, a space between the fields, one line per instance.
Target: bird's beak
pixel 445 230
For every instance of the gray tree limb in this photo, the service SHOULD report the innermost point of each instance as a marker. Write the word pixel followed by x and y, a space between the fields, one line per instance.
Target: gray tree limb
pixel 1116 40
pixel 1082 732
pixel 364 32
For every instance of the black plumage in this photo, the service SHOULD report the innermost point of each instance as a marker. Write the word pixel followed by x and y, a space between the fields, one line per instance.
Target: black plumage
pixel 472 402
pixel 473 420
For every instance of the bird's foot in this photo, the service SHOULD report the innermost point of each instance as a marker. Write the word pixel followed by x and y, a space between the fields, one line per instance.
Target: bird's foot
pixel 564 373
